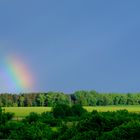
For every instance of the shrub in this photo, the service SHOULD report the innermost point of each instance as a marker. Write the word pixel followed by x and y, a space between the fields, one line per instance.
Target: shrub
pixel 32 118
pixel 5 117
pixel 61 111
pixel 77 110
pixel 130 130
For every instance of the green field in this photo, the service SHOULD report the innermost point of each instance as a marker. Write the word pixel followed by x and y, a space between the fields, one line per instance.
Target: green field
pixel 130 108
pixel 24 111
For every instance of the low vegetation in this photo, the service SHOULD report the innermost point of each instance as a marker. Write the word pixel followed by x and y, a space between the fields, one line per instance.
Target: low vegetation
pixel 65 122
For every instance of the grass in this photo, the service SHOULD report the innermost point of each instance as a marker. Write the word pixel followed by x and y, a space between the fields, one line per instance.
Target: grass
pixel 130 108
pixel 24 111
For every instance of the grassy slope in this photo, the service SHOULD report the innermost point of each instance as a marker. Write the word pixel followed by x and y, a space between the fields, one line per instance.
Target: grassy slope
pixel 24 111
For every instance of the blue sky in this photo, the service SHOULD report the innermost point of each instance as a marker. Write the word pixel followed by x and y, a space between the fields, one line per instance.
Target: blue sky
pixel 76 44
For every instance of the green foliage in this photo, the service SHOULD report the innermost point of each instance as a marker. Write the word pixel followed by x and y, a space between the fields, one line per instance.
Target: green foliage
pixel 20 130
pixel 49 119
pixel 61 111
pixel 41 99
pixel 32 118
pixel 54 98
pixel 88 135
pixel 115 125
pixel 68 120
pixel 82 97
pixel 77 110
pixel 21 100
pixel 105 126
pixel 126 131
pixel 37 131
pixel 11 130
pixel 4 117
pixel 85 98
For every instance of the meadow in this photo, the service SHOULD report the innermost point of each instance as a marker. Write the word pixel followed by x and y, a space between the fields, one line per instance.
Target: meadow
pixel 24 111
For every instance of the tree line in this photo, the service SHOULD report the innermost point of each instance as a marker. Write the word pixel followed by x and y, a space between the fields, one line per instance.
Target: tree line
pixel 84 98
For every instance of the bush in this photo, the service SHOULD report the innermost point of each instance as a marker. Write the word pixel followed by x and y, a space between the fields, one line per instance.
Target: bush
pixel 61 111
pixel 11 130
pixel 77 110
pixel 37 131
pixel 127 131
pixel 5 117
pixel 32 118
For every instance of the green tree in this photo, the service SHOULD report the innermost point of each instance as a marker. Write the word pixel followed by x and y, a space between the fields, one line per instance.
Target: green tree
pixel 21 100
pixel 61 111
pixel 130 99
pixel 41 99
pixel 123 100
pixel 54 98
pixel 77 110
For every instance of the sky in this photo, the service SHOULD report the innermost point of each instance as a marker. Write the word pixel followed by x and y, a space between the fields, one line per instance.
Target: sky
pixel 52 45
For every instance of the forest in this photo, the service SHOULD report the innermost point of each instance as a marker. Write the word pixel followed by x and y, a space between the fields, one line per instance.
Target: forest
pixel 84 98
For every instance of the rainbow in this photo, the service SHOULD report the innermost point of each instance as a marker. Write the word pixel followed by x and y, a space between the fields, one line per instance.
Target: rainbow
pixel 16 75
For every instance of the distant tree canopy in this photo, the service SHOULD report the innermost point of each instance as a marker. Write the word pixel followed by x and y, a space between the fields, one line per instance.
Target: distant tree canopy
pixel 84 98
